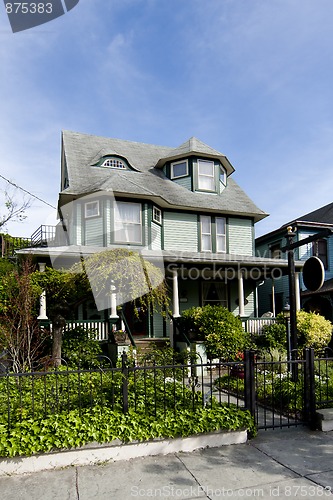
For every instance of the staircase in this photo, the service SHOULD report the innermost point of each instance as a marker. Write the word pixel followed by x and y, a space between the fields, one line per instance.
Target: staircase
pixel 146 345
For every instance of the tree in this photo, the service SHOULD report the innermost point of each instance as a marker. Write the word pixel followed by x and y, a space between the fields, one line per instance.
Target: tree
pixel 20 333
pixel 12 210
pixel 134 278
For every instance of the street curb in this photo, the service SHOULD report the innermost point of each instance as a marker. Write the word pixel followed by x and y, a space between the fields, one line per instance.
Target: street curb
pixel 100 453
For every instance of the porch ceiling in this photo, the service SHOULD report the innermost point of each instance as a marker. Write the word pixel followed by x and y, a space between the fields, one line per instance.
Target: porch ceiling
pixel 264 266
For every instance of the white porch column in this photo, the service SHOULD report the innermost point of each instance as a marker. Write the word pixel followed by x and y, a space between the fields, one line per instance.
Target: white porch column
pixel 42 297
pixel 297 292
pixel 241 294
pixel 175 295
pixel 113 314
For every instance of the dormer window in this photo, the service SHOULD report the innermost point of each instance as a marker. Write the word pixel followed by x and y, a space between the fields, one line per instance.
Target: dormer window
pixel 179 169
pixel 206 175
pixel 223 175
pixel 114 163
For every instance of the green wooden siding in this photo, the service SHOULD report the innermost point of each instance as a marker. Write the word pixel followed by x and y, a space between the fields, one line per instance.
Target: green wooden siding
pixel 158 325
pixel 185 182
pixel 78 225
pixel 108 220
pixel 156 236
pixel 180 231
pixel 240 236
pixel 189 291
pixel 94 231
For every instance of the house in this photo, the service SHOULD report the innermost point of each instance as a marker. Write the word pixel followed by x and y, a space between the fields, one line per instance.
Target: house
pixel 180 205
pixel 276 295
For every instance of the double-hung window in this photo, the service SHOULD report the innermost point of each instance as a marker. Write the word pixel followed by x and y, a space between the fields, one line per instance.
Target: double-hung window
pixel 206 233
pixel 206 175
pixel 128 222
pixel 220 225
pixel 212 234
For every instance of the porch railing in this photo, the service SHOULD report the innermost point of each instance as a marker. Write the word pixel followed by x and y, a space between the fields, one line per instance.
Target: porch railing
pixel 43 236
pixel 100 326
pixel 255 325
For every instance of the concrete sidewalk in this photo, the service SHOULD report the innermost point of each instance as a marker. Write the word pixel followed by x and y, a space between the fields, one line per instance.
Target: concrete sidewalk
pixel 286 463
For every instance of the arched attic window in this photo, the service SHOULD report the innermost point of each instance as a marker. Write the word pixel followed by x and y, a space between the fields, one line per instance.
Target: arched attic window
pixel 113 163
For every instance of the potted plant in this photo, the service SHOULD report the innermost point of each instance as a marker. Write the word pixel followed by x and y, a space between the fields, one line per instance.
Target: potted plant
pixel 237 370
pixel 120 337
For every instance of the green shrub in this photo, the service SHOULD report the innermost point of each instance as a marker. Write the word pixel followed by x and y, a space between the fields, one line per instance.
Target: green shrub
pixel 221 331
pixel 273 337
pixel 314 330
pixel 80 347
pixel 73 429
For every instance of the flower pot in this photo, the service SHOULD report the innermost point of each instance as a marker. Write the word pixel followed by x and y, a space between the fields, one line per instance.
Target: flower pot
pixel 237 372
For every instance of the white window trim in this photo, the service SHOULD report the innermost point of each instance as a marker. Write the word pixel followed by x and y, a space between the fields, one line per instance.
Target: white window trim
pixel 178 163
pixel 159 211
pixel 119 164
pixel 223 174
pixel 206 234
pixel 86 209
pixel 129 222
pixel 205 175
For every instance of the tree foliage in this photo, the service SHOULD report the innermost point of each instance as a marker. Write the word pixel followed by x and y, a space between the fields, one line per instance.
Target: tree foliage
pixel 20 334
pixel 133 277
pixel 12 210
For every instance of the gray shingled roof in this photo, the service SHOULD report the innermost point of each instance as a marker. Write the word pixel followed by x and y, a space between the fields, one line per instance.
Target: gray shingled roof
pixel 323 215
pixel 145 180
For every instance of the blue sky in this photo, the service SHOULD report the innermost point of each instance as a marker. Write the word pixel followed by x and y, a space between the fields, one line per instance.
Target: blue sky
pixel 251 78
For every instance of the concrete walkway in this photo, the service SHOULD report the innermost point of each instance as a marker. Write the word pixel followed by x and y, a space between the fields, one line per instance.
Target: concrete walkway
pixel 286 463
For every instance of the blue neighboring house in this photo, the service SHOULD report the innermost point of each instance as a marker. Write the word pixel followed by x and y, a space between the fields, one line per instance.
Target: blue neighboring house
pixel 275 295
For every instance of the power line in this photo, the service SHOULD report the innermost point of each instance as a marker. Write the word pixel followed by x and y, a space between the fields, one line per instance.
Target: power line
pixel 30 194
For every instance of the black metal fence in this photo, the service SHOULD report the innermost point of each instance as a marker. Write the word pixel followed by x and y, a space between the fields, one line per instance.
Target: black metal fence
pixel 278 393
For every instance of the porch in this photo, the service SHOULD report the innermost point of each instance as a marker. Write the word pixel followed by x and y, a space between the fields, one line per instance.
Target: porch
pixel 103 329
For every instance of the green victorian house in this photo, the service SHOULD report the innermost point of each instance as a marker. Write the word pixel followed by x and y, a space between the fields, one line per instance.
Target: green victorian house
pixel 181 206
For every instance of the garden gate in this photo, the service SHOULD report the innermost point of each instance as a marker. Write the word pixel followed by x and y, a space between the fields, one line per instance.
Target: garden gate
pixel 287 393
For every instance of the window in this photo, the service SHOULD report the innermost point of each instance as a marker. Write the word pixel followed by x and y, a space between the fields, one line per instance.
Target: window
pixel 157 215
pixel 206 175
pixel 320 250
pixel 206 233
pixel 276 251
pixel 223 175
pixel 91 209
pixel 113 163
pixel 128 222
pixel 220 234
pixel 213 241
pixel 215 294
pixel 179 169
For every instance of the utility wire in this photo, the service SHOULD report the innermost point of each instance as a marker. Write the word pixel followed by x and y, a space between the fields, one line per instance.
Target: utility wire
pixel 30 194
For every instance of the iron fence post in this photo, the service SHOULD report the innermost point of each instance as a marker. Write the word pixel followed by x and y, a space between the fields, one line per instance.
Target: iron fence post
pixel 124 372
pixel 309 389
pixel 249 379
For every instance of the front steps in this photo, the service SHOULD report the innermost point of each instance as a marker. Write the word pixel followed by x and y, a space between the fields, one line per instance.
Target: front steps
pixel 325 419
pixel 145 345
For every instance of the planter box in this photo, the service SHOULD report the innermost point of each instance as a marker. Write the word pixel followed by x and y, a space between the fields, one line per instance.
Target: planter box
pixel 95 453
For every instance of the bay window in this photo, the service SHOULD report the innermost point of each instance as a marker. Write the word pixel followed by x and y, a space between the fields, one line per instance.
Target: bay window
pixel 128 222
pixel 206 175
